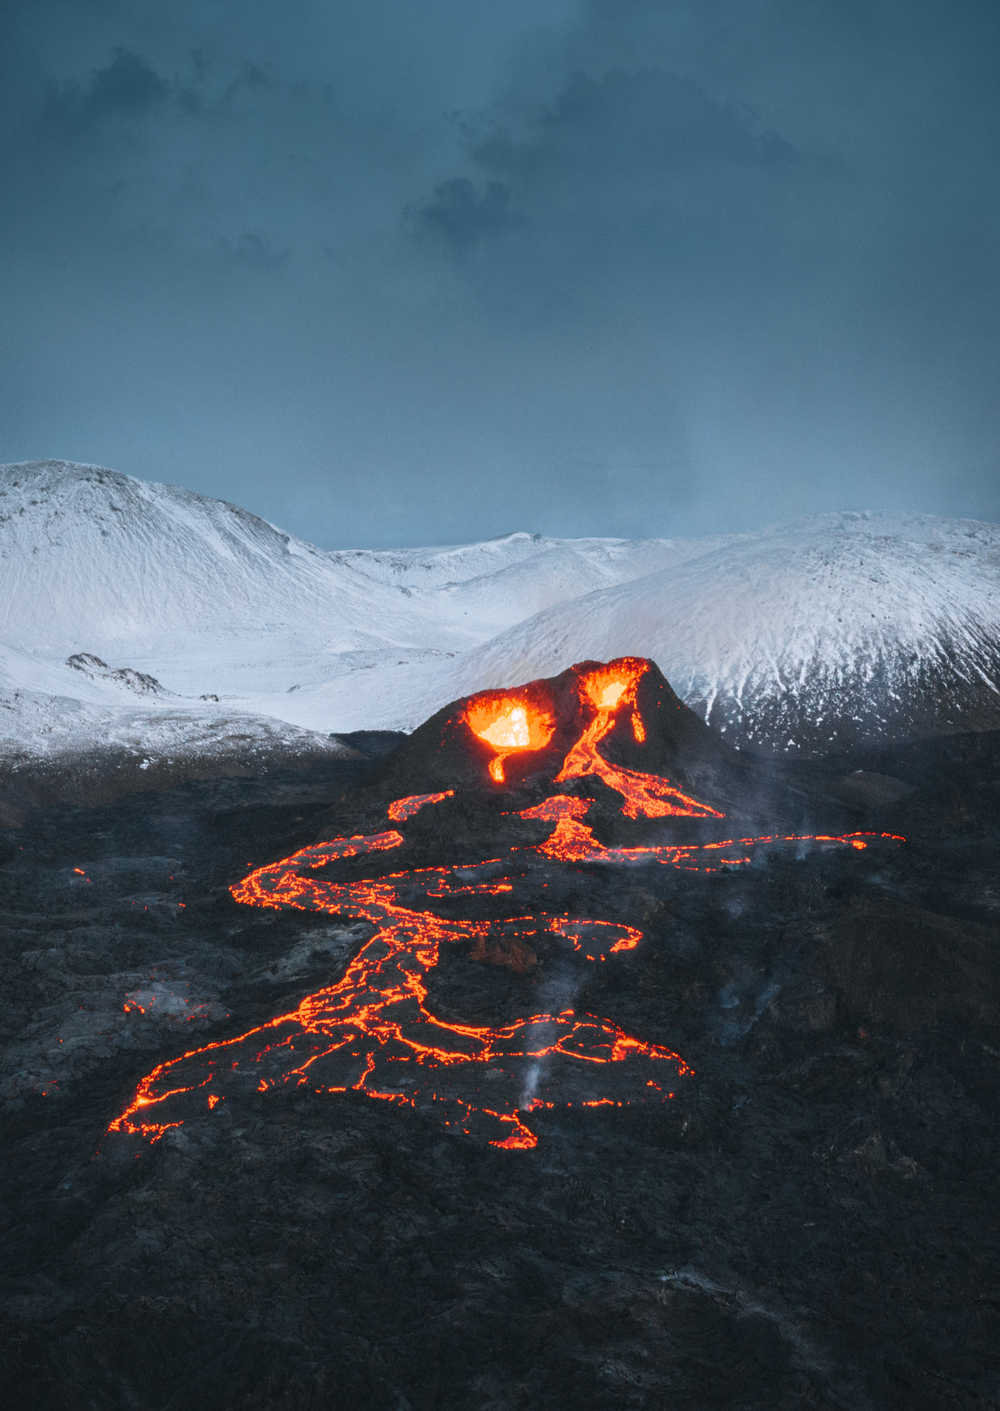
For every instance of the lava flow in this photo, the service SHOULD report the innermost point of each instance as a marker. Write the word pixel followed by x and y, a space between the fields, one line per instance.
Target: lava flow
pixel 508 723
pixel 375 1031
pixel 646 795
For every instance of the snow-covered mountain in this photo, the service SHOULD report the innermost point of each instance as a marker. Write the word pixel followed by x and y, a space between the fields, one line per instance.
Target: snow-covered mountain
pixel 96 561
pixel 211 601
pixel 488 586
pixel 50 710
pixel 93 560
pixel 835 629
pixel 188 619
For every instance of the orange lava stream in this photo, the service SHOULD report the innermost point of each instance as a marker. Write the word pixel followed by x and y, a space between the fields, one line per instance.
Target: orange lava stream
pixel 573 841
pixel 401 809
pixel 608 690
pixel 374 1032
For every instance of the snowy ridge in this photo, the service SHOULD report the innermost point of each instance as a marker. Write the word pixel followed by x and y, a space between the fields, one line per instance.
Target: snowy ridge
pixel 210 600
pixel 483 588
pixel 815 635
pixel 805 635
pixel 49 710
pixel 610 560
pixel 93 560
pixel 442 565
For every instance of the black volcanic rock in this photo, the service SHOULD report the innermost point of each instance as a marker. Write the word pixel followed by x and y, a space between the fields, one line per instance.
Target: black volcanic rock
pixel 810 1225
pixel 903 967
pixel 141 682
pixel 373 744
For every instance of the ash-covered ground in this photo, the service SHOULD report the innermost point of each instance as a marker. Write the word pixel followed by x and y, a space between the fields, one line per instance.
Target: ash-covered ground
pixel 810 1223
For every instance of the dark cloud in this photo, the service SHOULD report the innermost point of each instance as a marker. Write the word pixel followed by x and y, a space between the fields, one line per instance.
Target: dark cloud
pixel 627 163
pixel 704 264
pixel 460 214
pixel 629 199
pixel 256 252
pixel 648 119
pixel 127 86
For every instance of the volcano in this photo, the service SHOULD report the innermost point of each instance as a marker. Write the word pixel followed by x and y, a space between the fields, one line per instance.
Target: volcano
pixel 531 777
pixel 526 734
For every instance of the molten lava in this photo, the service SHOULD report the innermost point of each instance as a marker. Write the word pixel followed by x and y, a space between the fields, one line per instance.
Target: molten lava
pixel 374 1031
pixel 401 809
pixel 510 724
pixel 608 690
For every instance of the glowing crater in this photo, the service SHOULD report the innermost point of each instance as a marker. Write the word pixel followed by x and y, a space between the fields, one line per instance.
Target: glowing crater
pixel 510 724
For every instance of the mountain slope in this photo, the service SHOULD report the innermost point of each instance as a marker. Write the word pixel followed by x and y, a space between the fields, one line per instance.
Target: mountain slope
pixel 49 711
pixel 93 560
pixel 97 561
pixel 559 571
pixel 481 589
pixel 816 635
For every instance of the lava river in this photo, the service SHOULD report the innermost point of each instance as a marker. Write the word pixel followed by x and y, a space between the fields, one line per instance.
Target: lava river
pixel 374 1031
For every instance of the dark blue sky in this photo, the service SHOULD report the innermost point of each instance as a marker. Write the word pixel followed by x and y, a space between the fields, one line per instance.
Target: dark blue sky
pixel 391 272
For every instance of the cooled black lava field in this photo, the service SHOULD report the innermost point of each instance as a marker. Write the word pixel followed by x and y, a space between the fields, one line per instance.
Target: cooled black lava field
pixel 800 1211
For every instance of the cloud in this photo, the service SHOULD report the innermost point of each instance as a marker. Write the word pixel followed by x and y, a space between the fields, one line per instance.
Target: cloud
pixel 255 251
pixel 645 120
pixel 613 155
pixel 708 264
pixel 460 214
pixel 127 87
pixel 621 187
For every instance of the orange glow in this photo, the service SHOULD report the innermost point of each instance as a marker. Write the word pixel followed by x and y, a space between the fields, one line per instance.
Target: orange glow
pixel 509 731
pixel 570 840
pixel 615 684
pixel 401 809
pixel 374 1027
pixel 607 695
pixel 374 1031
pixel 646 795
pixel 508 723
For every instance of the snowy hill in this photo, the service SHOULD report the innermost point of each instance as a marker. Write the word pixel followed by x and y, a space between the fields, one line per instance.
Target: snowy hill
pixel 188 619
pixel 210 600
pixel 50 710
pixel 91 560
pixel 480 589
pixel 812 635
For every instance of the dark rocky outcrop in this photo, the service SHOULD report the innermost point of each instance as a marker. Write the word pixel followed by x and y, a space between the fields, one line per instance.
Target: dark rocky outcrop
pixel 141 682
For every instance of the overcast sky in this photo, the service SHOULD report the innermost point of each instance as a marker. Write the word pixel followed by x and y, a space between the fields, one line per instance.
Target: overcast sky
pixel 416 271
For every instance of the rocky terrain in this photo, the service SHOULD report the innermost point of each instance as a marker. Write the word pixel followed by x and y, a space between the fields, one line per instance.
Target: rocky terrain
pixel 808 1222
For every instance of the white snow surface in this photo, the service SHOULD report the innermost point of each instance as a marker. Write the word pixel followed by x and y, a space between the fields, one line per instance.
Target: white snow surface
pixel 843 615
pixel 772 635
